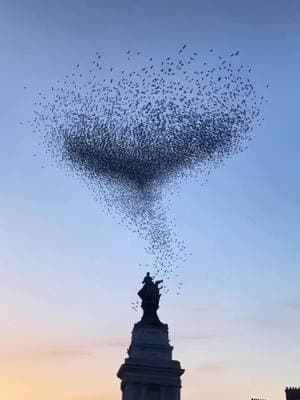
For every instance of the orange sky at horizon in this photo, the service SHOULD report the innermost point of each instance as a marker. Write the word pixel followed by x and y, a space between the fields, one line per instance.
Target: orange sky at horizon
pixel 86 370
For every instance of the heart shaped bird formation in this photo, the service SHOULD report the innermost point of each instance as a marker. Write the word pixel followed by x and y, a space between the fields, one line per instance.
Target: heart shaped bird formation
pixel 133 133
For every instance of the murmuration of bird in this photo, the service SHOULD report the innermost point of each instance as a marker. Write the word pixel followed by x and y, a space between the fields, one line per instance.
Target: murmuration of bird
pixel 133 134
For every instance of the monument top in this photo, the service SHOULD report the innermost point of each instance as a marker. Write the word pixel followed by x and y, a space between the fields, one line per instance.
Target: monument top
pixel 149 372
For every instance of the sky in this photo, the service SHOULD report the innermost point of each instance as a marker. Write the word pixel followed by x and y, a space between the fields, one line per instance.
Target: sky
pixel 68 271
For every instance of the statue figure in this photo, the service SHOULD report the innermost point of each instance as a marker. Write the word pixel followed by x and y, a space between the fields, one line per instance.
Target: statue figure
pixel 150 295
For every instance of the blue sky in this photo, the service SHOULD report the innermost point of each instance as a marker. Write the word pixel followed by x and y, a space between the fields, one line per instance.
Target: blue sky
pixel 68 272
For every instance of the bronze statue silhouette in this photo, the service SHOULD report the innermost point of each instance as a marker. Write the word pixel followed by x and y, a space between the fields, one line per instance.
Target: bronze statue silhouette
pixel 150 295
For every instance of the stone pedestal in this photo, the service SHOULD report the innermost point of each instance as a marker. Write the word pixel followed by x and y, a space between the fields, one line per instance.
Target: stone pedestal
pixel 149 373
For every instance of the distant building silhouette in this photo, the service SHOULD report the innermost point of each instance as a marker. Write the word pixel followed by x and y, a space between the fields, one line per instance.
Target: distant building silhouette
pixel 292 393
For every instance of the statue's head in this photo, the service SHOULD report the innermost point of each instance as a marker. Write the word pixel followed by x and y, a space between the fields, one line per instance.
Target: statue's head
pixel 148 279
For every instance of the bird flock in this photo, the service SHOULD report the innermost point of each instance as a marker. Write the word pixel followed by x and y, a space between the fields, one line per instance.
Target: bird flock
pixel 134 131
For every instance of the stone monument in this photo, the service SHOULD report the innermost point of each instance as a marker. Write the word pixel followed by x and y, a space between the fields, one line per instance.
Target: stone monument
pixel 149 373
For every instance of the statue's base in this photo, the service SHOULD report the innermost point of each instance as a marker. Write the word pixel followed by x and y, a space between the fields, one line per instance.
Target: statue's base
pixel 149 373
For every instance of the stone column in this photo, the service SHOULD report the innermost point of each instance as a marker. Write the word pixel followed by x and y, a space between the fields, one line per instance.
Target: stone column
pixel 149 373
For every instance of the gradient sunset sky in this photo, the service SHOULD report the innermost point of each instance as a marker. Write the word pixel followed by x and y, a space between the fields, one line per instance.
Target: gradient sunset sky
pixel 68 272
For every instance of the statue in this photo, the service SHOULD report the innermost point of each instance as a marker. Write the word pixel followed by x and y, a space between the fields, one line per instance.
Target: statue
pixel 150 295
